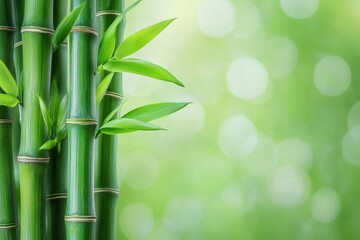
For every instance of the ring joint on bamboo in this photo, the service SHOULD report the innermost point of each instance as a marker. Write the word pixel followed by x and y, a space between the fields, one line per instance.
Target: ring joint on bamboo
pixel 108 12
pixel 56 196
pixel 18 44
pixel 36 29
pixel 7 28
pixel 114 95
pixel 84 29
pixel 81 121
pixel 27 159
pixel 8 225
pixel 75 218
pixel 5 121
pixel 106 190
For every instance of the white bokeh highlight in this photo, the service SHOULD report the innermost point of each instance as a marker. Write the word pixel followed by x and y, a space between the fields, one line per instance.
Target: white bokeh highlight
pixel 325 205
pixel 248 19
pixel 237 137
pixel 288 186
pixel 136 221
pixel 247 78
pixel 299 9
pixel 216 18
pixel 332 76
pixel 297 152
pixel 351 146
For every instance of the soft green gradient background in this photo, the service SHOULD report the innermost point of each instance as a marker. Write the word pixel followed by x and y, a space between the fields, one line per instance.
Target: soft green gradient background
pixel 180 184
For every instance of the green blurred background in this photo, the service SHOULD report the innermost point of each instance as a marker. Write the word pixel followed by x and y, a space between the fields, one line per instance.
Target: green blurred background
pixel 270 147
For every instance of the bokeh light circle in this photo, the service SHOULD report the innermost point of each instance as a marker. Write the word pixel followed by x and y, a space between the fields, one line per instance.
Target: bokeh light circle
pixel 332 76
pixel 351 146
pixel 248 19
pixel 297 152
pixel 237 137
pixel 299 9
pixel 288 186
pixel 247 78
pixel 216 18
pixel 325 205
pixel 136 221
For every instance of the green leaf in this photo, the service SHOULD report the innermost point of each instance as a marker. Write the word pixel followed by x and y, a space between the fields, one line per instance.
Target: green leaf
pixel 108 41
pixel 126 125
pixel 155 111
pixel 140 39
pixel 65 26
pixel 61 134
pixel 61 120
pixel 49 144
pixel 7 82
pixel 103 86
pixel 112 114
pixel 8 100
pixel 54 101
pixel 45 115
pixel 141 67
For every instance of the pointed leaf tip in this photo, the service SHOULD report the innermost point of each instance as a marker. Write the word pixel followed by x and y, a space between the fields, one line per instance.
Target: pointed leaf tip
pixel 7 81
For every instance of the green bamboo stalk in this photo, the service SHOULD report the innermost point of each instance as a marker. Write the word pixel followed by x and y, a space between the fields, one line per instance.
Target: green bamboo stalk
pixel 57 171
pixel 80 209
pixel 37 52
pixel 8 218
pixel 106 182
pixel 18 63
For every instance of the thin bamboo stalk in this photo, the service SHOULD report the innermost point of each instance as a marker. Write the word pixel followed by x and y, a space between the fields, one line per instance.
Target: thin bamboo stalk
pixel 37 52
pixel 107 155
pixel 18 63
pixel 80 209
pixel 8 218
pixel 57 171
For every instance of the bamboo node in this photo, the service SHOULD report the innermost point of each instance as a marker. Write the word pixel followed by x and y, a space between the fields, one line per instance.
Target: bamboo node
pixel 115 95
pixel 108 12
pixel 26 159
pixel 18 44
pixel 36 29
pixel 56 196
pixel 106 190
pixel 84 29
pixel 7 28
pixel 5 121
pixel 81 121
pixel 76 218
pixel 8 225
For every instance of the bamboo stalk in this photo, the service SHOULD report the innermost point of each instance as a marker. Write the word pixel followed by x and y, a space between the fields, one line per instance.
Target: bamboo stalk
pixel 57 171
pixel 8 218
pixel 18 63
pixel 80 209
pixel 107 156
pixel 37 52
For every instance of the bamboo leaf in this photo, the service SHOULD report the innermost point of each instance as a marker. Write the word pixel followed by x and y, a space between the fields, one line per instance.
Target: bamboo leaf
pixel 65 26
pixel 140 39
pixel 49 144
pixel 61 134
pixel 126 125
pixel 45 115
pixel 108 41
pixel 61 120
pixel 7 81
pixel 103 86
pixel 155 111
pixel 8 100
pixel 141 67
pixel 54 101
pixel 112 114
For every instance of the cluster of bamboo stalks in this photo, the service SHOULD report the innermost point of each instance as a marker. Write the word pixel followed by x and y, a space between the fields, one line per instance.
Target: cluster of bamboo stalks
pixel 61 65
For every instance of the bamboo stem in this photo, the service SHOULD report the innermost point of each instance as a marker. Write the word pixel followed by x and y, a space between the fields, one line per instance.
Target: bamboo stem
pixel 57 170
pixel 107 155
pixel 37 53
pixel 8 218
pixel 80 209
